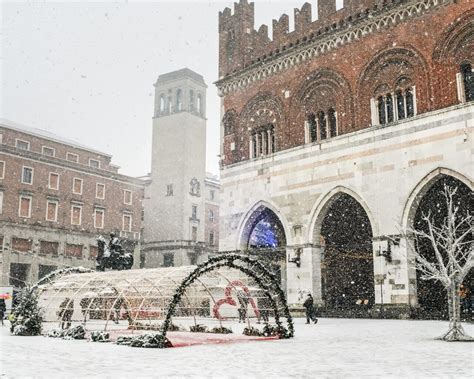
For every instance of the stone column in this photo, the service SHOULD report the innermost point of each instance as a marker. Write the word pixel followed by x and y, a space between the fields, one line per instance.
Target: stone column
pixel 306 278
pixel 393 278
pixel 6 259
pixel 269 141
pixel 307 136
pixel 257 142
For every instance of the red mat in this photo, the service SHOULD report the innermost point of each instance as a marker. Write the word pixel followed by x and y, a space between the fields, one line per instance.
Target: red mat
pixel 181 339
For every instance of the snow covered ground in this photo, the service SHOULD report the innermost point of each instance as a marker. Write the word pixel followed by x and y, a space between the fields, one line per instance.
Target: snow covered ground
pixel 333 348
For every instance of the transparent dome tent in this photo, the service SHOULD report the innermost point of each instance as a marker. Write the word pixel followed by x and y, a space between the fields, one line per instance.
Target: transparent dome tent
pixel 218 294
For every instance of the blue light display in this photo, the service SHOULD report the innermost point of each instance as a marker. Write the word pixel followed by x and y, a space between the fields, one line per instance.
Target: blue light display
pixel 264 235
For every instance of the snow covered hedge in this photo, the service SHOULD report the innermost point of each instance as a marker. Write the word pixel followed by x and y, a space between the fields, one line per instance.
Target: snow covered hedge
pixel 155 340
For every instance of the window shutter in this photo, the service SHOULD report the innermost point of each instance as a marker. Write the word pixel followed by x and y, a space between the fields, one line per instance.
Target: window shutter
pixel 460 88
pixel 374 112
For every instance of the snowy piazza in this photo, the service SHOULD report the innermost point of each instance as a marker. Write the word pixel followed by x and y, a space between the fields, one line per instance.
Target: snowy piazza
pixel 237 189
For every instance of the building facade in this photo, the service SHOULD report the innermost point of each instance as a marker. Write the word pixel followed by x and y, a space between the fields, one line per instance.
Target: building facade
pixel 334 134
pixel 56 197
pixel 180 199
pixel 211 208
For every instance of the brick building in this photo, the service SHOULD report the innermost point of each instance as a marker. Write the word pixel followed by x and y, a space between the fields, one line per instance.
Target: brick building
pixel 56 197
pixel 349 119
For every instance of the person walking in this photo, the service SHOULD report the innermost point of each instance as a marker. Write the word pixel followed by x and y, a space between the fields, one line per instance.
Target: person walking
pixel 243 299
pixel 3 309
pixel 310 311
pixel 66 309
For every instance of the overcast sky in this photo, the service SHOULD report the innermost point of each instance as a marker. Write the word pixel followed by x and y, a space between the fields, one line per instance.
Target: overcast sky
pixel 85 70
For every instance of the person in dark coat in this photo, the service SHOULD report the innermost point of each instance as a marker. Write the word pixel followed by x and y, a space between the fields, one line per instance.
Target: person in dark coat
pixel 66 309
pixel 310 312
pixel 3 309
pixel 243 299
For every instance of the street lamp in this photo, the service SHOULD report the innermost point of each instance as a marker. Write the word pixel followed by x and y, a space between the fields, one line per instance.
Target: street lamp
pixel 297 258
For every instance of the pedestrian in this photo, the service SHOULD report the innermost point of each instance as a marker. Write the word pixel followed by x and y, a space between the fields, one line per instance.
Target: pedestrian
pixel 310 311
pixel 66 309
pixel 264 308
pixel 243 304
pixel 465 297
pixel 3 309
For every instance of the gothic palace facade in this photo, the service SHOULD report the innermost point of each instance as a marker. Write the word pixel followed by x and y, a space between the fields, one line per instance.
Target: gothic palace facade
pixel 335 134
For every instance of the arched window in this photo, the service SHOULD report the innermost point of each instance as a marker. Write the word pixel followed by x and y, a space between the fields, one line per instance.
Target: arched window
pixel 468 81
pixel 313 128
pixel 170 104
pixel 400 105
pixel 162 103
pixel 322 125
pixel 389 103
pixel 381 109
pixel 409 102
pixel 199 104
pixel 262 141
pixel 191 100
pixel 332 118
pixel 385 107
pixel 179 100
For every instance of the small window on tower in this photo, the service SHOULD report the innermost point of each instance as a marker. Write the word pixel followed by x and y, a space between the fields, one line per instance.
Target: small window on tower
pixel 169 190
pixel 162 103
pixel 179 100
pixel 199 104
pixel 168 260
pixel 194 212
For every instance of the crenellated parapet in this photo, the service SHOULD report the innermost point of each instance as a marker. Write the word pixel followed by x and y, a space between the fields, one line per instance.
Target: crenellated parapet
pixel 243 49
pixel 241 45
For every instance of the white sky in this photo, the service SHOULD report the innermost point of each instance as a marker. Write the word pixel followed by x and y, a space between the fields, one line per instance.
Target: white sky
pixel 85 70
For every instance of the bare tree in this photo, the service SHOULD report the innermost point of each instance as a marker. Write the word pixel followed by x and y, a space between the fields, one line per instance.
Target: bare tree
pixel 452 243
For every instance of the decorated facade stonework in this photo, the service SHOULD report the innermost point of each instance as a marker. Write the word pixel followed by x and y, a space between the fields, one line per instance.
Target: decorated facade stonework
pixel 370 102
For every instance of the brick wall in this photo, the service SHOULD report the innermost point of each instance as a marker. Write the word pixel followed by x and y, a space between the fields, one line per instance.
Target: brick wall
pixel 427 47
pixel 113 202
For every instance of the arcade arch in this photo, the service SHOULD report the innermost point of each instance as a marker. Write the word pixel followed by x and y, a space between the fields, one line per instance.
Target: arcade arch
pixel 428 198
pixel 343 228
pixel 263 234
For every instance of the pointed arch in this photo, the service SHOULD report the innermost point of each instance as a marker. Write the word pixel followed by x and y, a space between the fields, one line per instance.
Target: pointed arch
pixel 247 222
pixel 318 212
pixel 455 41
pixel 422 187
